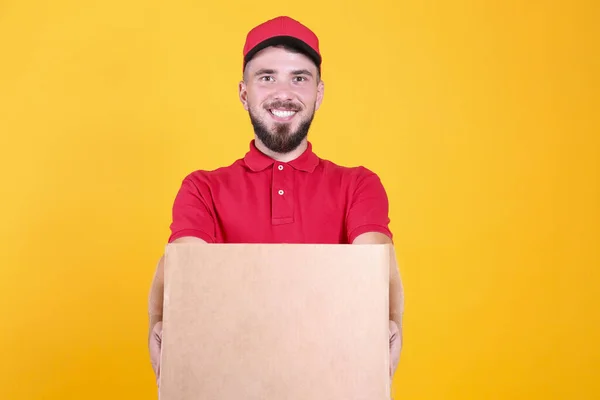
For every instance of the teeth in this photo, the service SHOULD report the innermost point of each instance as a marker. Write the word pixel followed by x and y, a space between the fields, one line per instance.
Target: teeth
pixel 283 114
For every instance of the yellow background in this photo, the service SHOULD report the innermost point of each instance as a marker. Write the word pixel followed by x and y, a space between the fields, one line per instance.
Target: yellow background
pixel 480 117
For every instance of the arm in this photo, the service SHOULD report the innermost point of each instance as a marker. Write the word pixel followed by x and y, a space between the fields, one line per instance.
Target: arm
pixel 367 222
pixel 155 308
pixel 192 222
pixel 396 298
pixel 155 300
pixel 396 289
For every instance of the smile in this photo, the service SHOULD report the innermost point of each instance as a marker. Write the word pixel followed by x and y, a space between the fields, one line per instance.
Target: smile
pixel 283 115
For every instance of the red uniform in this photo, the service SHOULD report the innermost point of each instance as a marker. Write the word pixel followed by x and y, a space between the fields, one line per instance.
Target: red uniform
pixel 260 200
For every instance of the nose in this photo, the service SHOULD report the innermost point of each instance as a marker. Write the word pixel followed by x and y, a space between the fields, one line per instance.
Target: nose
pixel 283 91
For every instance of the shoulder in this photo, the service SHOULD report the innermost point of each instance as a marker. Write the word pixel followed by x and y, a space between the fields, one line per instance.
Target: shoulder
pixel 206 183
pixel 353 175
pixel 217 175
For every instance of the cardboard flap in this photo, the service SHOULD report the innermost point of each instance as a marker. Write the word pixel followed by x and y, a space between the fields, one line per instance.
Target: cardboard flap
pixel 275 321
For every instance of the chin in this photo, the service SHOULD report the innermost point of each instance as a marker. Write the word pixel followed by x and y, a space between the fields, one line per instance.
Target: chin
pixel 280 136
pixel 284 127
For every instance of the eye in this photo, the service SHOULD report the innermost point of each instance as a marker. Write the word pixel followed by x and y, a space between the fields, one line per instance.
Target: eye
pixel 300 78
pixel 267 78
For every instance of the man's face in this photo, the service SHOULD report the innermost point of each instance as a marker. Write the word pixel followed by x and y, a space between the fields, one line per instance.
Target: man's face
pixel 281 91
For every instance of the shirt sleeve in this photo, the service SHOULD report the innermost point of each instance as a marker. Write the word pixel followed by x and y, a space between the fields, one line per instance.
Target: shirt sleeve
pixel 368 206
pixel 192 211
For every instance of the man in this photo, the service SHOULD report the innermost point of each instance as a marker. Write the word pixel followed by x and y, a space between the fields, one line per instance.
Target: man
pixel 280 191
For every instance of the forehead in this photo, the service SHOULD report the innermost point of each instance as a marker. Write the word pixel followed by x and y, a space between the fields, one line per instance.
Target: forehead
pixel 281 60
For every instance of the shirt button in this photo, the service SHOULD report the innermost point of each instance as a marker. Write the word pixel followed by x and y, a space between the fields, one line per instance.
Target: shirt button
pixel 280 192
pixel 280 167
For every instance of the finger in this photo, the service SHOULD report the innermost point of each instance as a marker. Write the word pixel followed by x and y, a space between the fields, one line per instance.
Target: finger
pixel 155 347
pixel 395 344
pixel 394 331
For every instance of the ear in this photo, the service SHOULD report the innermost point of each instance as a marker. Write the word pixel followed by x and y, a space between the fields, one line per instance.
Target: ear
pixel 243 93
pixel 320 94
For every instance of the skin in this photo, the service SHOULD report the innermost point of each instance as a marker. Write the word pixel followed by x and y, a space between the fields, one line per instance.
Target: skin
pixel 277 76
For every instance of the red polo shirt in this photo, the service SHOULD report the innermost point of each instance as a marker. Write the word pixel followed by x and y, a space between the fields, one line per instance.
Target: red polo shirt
pixel 259 200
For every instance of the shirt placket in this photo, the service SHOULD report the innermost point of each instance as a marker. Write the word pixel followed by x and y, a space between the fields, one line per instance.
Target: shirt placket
pixel 282 194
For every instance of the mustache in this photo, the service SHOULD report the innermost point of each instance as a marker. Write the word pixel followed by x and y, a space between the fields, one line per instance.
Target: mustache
pixel 284 105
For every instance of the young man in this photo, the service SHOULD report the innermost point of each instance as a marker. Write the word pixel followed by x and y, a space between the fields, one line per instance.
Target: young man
pixel 281 191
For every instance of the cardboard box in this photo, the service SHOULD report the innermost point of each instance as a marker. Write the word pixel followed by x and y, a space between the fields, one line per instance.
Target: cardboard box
pixel 276 322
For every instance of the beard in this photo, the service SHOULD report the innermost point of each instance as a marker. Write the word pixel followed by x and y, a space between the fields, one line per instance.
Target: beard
pixel 281 139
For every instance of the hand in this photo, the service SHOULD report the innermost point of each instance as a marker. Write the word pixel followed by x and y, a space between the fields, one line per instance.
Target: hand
pixel 155 349
pixel 395 345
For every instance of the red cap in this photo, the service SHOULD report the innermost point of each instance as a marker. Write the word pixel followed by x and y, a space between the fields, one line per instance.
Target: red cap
pixel 282 30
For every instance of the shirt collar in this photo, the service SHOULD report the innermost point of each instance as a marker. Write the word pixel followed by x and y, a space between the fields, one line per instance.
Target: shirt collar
pixel 258 161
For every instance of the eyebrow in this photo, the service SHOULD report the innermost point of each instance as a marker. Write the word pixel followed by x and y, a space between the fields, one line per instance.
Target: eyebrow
pixel 302 72
pixel 264 71
pixel 268 71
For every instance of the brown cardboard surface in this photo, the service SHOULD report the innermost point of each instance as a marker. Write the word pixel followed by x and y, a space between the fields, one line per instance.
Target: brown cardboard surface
pixel 275 321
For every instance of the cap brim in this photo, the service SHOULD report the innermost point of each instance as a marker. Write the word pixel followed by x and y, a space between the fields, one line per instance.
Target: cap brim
pixel 287 40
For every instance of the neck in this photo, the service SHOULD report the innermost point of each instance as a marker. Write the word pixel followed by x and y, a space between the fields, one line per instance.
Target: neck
pixel 282 157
